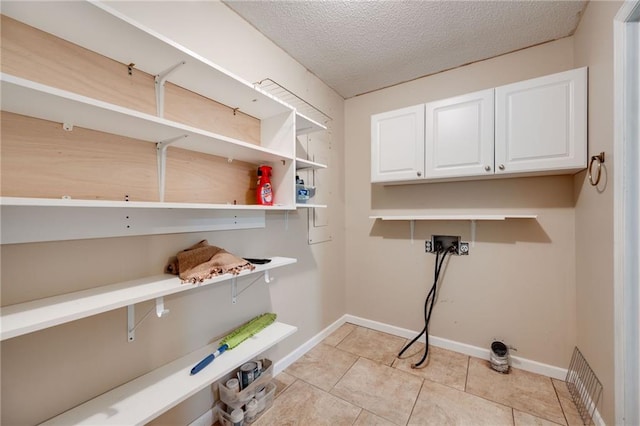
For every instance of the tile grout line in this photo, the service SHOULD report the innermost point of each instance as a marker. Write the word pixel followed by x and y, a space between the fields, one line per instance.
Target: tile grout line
pixel 466 377
pixel 566 420
pixel 345 336
pixel 413 407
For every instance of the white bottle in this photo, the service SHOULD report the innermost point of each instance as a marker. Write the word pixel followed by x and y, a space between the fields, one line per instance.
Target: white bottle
pixel 260 397
pixel 252 410
pixel 237 417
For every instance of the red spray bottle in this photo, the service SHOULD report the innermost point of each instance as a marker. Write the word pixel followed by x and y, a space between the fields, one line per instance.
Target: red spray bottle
pixel 264 192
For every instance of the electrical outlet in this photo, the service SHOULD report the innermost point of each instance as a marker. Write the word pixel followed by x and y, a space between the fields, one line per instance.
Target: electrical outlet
pixel 463 249
pixel 428 246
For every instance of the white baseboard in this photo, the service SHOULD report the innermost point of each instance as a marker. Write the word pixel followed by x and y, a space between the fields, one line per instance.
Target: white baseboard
pixel 517 362
pixel 306 346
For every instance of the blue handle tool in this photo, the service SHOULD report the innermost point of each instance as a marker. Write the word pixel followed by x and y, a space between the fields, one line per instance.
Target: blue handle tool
pixel 202 364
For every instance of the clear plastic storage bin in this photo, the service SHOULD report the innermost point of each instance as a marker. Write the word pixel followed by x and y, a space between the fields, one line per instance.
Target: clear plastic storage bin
pixel 235 399
pixel 265 402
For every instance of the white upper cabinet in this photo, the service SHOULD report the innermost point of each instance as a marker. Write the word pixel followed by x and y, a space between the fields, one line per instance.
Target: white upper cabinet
pixel 459 136
pixel 541 124
pixel 533 127
pixel 397 145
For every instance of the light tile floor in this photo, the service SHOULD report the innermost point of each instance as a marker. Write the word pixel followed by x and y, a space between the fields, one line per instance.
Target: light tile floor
pixel 354 378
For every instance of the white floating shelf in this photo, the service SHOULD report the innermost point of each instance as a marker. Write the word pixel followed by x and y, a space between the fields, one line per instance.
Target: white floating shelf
pixel 102 29
pixel 456 217
pixel 306 125
pixel 472 218
pixel 33 99
pixel 39 314
pixel 145 398
pixel 302 164
pixel 67 202
pixel 311 206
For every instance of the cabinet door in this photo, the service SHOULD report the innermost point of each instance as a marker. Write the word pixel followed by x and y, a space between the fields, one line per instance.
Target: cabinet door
pixel 397 145
pixel 459 136
pixel 541 124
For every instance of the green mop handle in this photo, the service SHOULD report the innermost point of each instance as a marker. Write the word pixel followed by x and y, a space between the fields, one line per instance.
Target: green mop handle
pixel 236 337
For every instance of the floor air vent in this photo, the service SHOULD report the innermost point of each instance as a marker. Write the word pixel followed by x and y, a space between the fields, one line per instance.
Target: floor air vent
pixel 584 386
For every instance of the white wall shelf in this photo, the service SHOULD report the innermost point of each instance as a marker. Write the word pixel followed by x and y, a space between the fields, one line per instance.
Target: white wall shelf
pixel 39 314
pixel 145 398
pixel 472 218
pixel 26 220
pixel 37 100
pixel 455 217
pixel 98 27
pixel 311 206
pixel 302 164
pixel 306 125
pixel 66 202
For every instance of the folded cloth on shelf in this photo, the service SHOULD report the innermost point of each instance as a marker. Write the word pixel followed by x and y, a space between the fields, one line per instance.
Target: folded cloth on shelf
pixel 203 261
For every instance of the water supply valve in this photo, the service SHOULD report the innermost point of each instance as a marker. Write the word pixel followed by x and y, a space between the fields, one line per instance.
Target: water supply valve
pixel 443 243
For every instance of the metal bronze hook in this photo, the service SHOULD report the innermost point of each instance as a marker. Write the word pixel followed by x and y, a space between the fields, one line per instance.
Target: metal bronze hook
pixel 599 159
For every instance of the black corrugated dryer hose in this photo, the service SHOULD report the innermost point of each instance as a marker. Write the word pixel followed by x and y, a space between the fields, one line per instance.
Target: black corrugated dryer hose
pixel 428 306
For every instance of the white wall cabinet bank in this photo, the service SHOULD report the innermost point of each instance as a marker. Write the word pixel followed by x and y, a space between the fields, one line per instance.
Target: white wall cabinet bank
pixel 533 127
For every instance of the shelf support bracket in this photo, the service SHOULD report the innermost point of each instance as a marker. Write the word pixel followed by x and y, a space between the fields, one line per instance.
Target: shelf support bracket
pixel 412 227
pixel 234 285
pixel 131 326
pixel 473 233
pixel 160 79
pixel 161 311
pixel 161 151
pixel 234 290
pixel 131 317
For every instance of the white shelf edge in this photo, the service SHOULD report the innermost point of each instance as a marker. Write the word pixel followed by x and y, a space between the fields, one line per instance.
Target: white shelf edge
pixel 26 97
pixel 456 217
pixel 306 125
pixel 145 398
pixel 310 206
pixel 67 202
pixel 302 164
pixel 36 315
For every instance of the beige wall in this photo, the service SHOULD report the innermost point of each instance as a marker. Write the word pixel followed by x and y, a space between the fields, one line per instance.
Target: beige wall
pixel 518 282
pixel 594 207
pixel 47 372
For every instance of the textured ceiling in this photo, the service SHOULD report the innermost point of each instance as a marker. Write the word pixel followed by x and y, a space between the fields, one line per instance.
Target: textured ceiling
pixel 360 46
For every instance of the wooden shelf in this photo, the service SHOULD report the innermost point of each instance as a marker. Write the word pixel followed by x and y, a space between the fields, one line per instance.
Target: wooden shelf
pixel 39 314
pixel 302 164
pixel 147 397
pixel 98 27
pixel 33 99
